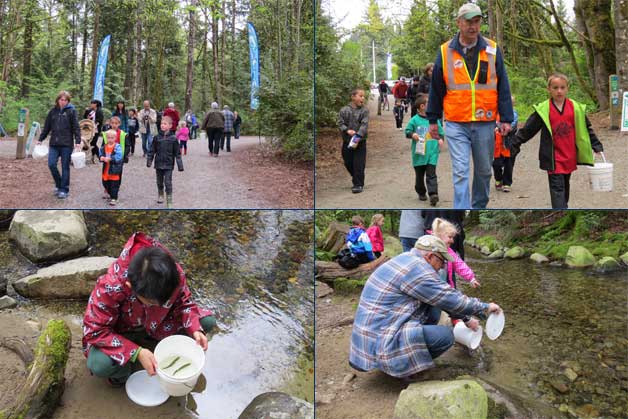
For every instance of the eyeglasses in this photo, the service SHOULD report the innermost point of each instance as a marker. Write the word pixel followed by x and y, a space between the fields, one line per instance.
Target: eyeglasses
pixel 442 260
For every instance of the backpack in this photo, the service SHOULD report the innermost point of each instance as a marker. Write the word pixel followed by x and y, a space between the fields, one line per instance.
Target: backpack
pixel 347 260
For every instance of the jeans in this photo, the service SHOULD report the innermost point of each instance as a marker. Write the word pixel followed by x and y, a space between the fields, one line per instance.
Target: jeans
pixel 407 243
pixel 193 132
pixel 147 142
pixel 102 366
pixel 236 132
pixel 164 176
pixel 466 140
pixel 559 190
pixel 226 136
pixel 62 181
pixel 437 338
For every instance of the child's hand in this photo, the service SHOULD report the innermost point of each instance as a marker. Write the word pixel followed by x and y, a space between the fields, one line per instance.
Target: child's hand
pixel 441 143
pixel 200 339
pixel 415 136
pixel 473 324
pixel 494 308
pixel 475 283
pixel 107 159
pixel 148 361
pixel 102 158
pixel 351 132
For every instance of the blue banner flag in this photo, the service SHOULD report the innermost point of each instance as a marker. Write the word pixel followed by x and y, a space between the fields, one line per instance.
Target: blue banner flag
pixel 101 68
pixel 254 59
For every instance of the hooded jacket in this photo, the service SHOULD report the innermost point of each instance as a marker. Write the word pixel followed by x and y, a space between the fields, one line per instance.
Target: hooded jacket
pixel 114 309
pixel 63 126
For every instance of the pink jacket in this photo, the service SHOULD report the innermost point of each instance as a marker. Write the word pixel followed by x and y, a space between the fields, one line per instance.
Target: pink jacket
pixel 377 239
pixel 459 267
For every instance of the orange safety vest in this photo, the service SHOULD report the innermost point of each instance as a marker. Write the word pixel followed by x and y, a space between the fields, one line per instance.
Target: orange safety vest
pixel 500 150
pixel 109 148
pixel 466 100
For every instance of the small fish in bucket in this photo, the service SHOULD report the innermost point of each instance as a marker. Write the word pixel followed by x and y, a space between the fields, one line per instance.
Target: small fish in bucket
pixel 88 130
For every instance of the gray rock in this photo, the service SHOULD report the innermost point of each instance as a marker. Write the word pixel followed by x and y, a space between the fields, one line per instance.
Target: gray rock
pixel 49 235
pixel 624 258
pixel 7 302
pixel 556 264
pixel 348 378
pixel 571 374
pixel 461 399
pixel 3 285
pixel 485 250
pixel 607 264
pixel 579 257
pixel 278 405
pixel 539 258
pixel 322 289
pixel 516 252
pixel 470 241
pixel 497 254
pixel 71 279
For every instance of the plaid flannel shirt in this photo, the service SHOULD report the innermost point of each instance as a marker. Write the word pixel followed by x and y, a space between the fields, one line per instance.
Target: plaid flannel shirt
pixel 388 327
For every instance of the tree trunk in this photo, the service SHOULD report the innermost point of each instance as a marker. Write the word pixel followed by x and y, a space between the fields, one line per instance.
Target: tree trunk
pixel 27 52
pixel 128 67
pixel 84 51
pixel 204 63
pixel 223 43
pixel 217 87
pixel 189 77
pixel 95 43
pixel 621 42
pixel 137 85
pixel 45 382
pixel 594 16
pixel 330 271
pixel 499 21
pixel 334 237
pixel 492 20
pixel 233 49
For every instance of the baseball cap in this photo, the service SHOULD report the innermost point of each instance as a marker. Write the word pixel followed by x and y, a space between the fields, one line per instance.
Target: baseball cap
pixel 469 11
pixel 433 244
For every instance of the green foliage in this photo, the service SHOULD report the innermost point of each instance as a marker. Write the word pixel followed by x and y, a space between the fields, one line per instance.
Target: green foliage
pixel 345 286
pixel 391 218
pixel 324 256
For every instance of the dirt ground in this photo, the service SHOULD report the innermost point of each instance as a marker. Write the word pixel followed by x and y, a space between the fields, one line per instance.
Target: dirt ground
pixel 390 177
pixel 248 177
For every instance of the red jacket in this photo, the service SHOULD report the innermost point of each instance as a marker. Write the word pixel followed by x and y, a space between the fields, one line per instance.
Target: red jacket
pixel 174 114
pixel 113 309
pixel 400 89
pixel 377 239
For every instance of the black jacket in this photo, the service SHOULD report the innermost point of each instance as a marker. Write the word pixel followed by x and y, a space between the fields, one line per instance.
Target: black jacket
pixel 535 124
pixel 63 126
pixel 99 118
pixel 424 84
pixel 165 151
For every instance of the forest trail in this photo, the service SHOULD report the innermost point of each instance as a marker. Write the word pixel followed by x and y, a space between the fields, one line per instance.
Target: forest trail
pixel 244 178
pixel 390 176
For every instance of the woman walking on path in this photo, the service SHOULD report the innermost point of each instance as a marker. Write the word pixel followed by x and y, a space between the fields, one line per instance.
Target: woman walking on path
pixel 120 112
pixel 214 125
pixel 62 125
pixel 236 125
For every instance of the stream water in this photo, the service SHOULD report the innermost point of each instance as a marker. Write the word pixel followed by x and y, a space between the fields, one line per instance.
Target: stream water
pixel 254 269
pixel 558 319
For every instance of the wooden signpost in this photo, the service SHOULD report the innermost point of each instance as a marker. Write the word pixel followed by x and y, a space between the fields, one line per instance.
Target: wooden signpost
pixel 615 100
pixel 22 122
pixel 624 113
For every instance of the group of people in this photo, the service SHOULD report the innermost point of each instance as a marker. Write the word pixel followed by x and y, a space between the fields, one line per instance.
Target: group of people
pixel 396 328
pixel 475 115
pixel 164 140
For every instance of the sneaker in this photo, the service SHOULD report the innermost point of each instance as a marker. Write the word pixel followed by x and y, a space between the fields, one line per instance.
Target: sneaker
pixel 106 196
pixel 116 382
pixel 357 189
pixel 160 199
pixel 498 185
pixel 433 200
pixel 506 188
pixel 422 197
pixel 56 192
pixel 62 195
pixel 113 202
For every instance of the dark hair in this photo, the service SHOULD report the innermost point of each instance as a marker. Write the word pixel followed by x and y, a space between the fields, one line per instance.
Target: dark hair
pixel 355 91
pixel 421 99
pixel 153 274
pixel 123 106
pixel 356 220
pixel 96 102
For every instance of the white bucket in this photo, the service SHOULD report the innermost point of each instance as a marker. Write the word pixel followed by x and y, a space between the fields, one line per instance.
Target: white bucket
pixel 78 159
pixel 186 347
pixel 203 135
pixel 601 176
pixel 466 336
pixel 40 151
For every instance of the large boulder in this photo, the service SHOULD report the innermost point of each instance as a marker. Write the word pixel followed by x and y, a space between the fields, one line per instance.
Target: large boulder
pixel 49 235
pixel 539 258
pixel 579 257
pixel 3 285
pixel 278 405
pixel 607 264
pixel 459 399
pixel 516 252
pixel 73 279
pixel 624 258
pixel 497 254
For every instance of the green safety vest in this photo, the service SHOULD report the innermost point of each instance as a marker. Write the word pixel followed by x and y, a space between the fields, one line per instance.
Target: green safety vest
pixel 122 139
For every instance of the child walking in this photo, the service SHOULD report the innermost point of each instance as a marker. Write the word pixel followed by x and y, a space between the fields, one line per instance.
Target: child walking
pixel 183 135
pixel 375 234
pixel 111 155
pixel 567 138
pixel 353 120
pixel 358 241
pixel 425 152
pixel 165 150
pixel 134 126
pixel 398 111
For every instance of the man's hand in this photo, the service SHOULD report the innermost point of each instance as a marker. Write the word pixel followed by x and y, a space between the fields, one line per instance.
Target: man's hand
pixel 473 324
pixel 200 339
pixel 148 361
pixel 434 131
pixel 351 132
pixel 505 128
pixel 39 142
pixel 494 308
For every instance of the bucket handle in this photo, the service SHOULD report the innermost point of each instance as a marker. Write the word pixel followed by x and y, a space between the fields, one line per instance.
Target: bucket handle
pixel 603 158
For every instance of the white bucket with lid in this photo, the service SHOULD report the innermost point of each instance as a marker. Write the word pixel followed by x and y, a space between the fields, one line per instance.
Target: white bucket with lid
pixel 466 336
pixel 203 135
pixel 40 151
pixel 183 382
pixel 601 176
pixel 78 159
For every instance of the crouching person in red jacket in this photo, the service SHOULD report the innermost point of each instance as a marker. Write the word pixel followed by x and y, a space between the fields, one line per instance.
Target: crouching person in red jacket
pixel 143 295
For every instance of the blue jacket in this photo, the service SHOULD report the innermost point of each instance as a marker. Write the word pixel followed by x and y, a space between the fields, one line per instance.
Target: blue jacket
pixel 438 89
pixel 358 242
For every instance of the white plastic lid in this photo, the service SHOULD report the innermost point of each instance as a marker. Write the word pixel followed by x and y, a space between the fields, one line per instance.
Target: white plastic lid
pixel 145 390
pixel 495 325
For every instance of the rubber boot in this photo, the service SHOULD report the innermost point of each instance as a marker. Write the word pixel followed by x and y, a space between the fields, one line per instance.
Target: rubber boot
pixel 169 201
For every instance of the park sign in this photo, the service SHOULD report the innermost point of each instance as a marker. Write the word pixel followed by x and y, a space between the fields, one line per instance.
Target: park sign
pixel 101 69
pixel 624 113
pixel 254 59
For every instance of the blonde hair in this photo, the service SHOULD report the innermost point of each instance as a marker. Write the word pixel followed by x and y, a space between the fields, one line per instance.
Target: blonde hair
pixel 116 118
pixel 376 219
pixel 167 118
pixel 557 76
pixel 441 226
pixel 181 124
pixel 111 132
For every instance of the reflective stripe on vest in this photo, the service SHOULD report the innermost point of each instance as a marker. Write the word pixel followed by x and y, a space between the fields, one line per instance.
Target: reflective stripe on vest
pixel 468 101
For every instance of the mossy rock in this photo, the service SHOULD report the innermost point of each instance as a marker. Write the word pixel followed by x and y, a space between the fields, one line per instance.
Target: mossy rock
pixel 516 252
pixel 489 241
pixel 497 254
pixel 458 399
pixel 624 258
pixel 485 250
pixel 539 258
pixel 470 241
pixel 607 264
pixel 579 257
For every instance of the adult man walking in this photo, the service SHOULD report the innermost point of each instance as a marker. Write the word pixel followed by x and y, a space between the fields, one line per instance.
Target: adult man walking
pixel 395 328
pixel 470 105
pixel 147 118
